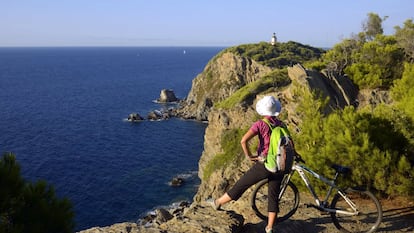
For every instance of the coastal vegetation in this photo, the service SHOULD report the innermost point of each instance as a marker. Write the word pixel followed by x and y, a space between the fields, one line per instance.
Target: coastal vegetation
pixel 377 143
pixel 376 140
pixel 30 207
pixel 278 56
pixel 277 78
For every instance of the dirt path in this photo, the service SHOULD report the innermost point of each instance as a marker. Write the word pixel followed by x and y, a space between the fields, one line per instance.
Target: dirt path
pixel 398 216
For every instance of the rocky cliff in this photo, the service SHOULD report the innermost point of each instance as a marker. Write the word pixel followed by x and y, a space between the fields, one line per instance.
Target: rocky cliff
pixel 223 76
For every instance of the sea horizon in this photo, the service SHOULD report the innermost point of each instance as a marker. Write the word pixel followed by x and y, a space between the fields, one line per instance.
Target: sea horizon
pixel 116 46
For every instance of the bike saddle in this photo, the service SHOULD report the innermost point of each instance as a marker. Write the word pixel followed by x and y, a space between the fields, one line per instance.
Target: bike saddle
pixel 341 169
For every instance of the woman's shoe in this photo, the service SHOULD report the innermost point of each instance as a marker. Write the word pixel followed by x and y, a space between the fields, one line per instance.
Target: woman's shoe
pixel 213 204
pixel 268 230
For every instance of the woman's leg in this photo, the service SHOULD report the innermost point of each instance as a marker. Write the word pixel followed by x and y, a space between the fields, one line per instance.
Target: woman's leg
pixel 256 173
pixel 273 201
pixel 271 220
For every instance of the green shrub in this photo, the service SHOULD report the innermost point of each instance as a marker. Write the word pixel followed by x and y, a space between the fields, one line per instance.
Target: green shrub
pixel 30 208
pixel 374 144
pixel 275 79
pixel 376 63
pixel 403 90
pixel 277 56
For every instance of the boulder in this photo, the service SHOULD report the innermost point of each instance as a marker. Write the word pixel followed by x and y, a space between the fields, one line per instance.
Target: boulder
pixel 156 115
pixel 177 181
pixel 135 117
pixel 340 89
pixel 167 95
pixel 163 215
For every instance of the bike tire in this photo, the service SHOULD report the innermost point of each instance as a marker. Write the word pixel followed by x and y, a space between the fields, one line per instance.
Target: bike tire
pixel 369 212
pixel 288 204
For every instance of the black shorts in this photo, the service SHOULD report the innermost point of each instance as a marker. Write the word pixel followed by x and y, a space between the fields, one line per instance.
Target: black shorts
pixel 255 174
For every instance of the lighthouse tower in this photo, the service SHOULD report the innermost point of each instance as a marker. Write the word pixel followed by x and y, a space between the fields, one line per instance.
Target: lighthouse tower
pixel 274 39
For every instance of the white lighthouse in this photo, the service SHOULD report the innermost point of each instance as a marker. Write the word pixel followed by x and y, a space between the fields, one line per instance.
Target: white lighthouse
pixel 274 39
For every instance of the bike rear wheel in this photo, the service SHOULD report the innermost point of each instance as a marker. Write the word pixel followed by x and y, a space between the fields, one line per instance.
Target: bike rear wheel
pixel 288 203
pixel 369 211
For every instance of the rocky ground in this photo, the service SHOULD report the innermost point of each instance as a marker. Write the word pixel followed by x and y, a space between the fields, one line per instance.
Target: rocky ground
pixel 398 216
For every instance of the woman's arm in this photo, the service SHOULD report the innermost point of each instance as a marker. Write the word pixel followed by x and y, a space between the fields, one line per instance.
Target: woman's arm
pixel 245 143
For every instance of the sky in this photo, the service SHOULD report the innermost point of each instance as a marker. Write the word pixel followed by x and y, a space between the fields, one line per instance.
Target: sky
pixel 319 23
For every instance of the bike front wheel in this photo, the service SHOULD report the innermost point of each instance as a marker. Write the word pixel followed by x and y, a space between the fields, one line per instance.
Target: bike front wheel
pixel 288 203
pixel 356 210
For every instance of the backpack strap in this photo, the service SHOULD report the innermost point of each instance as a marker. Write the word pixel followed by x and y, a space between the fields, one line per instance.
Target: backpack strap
pixel 282 125
pixel 265 120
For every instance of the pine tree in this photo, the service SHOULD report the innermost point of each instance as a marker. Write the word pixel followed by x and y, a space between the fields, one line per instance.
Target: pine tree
pixel 30 208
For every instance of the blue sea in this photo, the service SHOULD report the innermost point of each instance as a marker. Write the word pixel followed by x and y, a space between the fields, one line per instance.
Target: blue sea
pixel 63 111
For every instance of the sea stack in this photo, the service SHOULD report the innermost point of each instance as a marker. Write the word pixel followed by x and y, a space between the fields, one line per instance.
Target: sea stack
pixel 167 95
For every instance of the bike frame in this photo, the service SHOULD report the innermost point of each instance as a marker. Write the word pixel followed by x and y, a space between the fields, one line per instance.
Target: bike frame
pixel 321 205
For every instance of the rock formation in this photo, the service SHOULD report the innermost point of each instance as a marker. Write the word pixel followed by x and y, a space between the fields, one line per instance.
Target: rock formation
pixel 167 96
pixel 156 115
pixel 134 117
pixel 340 89
pixel 177 181
pixel 222 76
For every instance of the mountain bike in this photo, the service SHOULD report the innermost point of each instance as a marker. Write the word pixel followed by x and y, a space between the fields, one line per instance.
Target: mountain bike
pixel 351 209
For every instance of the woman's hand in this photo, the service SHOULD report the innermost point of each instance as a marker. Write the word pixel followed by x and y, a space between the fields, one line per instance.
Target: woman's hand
pixel 257 158
pixel 253 158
